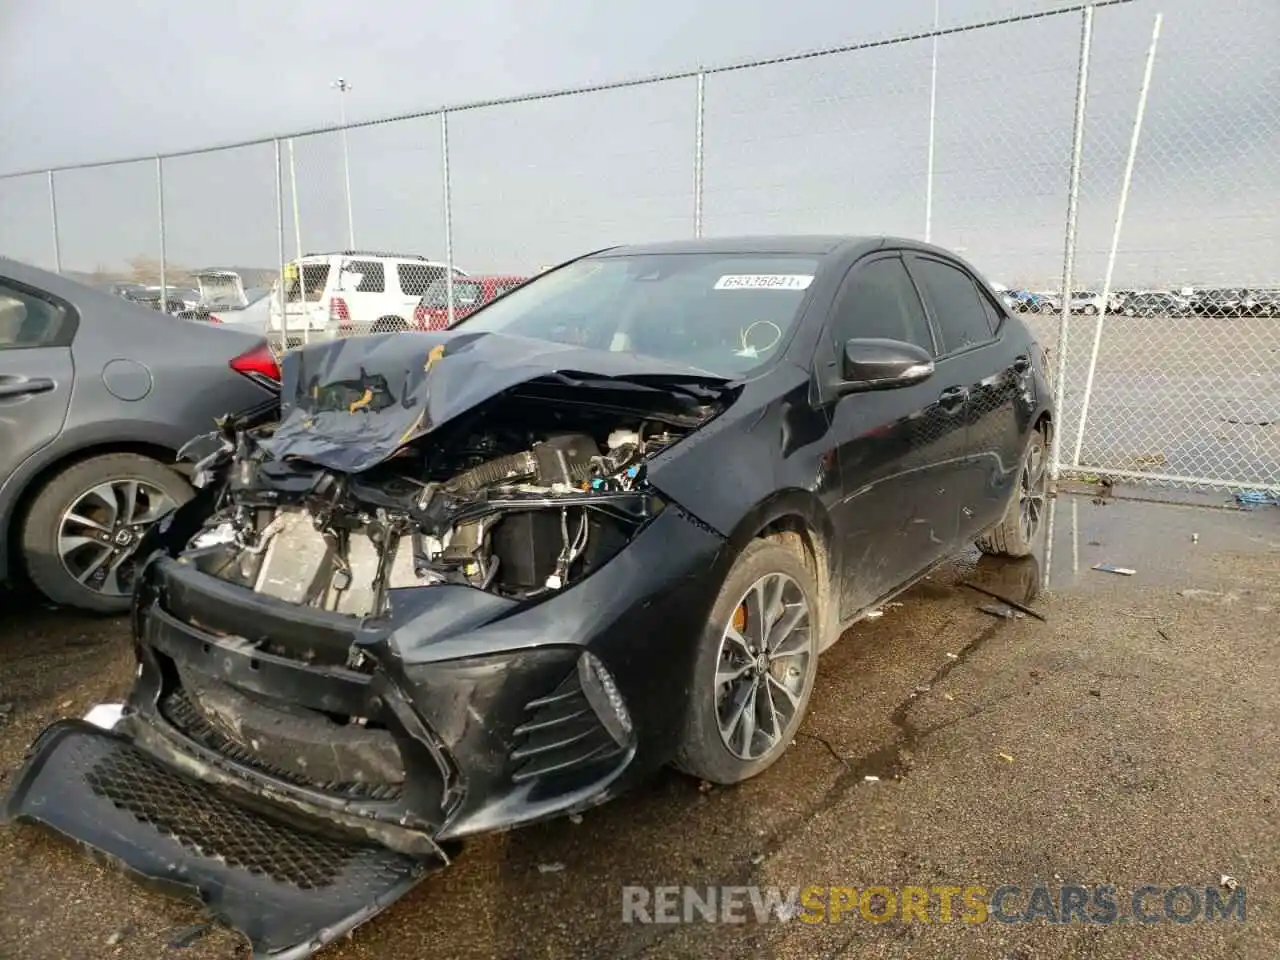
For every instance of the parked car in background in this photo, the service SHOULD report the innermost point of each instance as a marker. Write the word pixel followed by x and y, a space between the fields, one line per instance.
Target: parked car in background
pixel 332 294
pixel 1088 302
pixel 1155 304
pixel 609 524
pixel 1264 303
pixel 469 295
pixel 252 316
pixel 1229 302
pixel 97 395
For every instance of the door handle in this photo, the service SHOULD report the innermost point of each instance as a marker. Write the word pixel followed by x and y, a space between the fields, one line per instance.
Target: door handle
pixel 953 398
pixel 21 386
pixel 1021 364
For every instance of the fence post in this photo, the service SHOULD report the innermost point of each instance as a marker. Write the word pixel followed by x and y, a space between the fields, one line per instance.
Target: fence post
pixel 1068 268
pixel 448 214
pixel 1115 236
pixel 284 299
pixel 164 282
pixel 53 219
pixel 933 117
pixel 1069 243
pixel 699 156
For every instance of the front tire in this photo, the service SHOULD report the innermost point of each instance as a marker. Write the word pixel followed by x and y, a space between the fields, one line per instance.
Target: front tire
pixel 1017 532
pixel 755 667
pixel 83 527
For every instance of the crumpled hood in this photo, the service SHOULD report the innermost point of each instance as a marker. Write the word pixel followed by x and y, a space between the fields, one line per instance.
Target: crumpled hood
pixel 350 404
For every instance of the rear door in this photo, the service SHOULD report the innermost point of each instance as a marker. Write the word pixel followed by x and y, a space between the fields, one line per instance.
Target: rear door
pixel 36 330
pixel 899 450
pixel 996 374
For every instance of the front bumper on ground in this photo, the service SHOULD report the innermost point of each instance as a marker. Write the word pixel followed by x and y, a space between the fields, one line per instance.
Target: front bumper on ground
pixel 290 887
pixel 472 709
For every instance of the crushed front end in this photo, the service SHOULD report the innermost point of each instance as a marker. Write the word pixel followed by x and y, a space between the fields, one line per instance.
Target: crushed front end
pixel 403 609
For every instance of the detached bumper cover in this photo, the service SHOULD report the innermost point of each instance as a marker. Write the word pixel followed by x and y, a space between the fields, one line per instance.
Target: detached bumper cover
pixel 289 888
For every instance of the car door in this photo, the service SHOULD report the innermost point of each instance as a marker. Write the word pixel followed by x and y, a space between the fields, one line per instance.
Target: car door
pixel 897 448
pixel 996 373
pixel 35 371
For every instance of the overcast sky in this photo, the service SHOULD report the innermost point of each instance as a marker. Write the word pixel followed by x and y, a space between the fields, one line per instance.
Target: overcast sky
pixel 836 143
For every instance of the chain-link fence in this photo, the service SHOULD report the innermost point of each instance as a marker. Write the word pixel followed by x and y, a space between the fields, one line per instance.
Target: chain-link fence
pixel 1115 165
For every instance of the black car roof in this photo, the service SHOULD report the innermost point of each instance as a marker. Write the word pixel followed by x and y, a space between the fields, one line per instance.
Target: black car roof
pixel 813 244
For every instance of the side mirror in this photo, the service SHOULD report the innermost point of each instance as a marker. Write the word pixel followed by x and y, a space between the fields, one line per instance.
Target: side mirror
pixel 872 364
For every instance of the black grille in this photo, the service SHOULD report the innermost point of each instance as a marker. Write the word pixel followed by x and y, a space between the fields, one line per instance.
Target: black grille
pixel 205 823
pixel 560 734
pixel 183 714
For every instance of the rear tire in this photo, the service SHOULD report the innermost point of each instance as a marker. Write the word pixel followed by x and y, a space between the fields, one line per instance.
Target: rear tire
pixel 389 325
pixel 47 533
pixel 1016 534
pixel 766 686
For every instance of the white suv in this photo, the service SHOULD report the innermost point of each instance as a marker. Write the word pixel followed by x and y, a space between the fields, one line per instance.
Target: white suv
pixel 340 294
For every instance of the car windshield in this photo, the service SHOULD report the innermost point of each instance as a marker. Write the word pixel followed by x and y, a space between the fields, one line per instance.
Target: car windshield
pixel 723 313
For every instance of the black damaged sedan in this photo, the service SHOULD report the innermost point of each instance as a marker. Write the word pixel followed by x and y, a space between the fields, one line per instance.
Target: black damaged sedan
pixel 457 582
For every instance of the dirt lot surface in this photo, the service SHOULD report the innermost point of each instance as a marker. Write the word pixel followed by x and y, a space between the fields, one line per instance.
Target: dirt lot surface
pixel 1132 739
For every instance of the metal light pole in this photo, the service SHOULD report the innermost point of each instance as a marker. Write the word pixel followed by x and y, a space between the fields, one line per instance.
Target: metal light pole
pixel 343 88
pixel 933 118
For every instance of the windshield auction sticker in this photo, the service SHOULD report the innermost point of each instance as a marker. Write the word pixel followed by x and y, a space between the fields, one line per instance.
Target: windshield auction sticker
pixel 764 281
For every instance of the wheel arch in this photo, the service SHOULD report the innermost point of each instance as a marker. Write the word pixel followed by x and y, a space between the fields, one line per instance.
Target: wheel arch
pixel 797 517
pixel 11 522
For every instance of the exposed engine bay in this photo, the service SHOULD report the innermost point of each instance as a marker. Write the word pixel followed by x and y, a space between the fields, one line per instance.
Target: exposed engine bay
pixel 522 497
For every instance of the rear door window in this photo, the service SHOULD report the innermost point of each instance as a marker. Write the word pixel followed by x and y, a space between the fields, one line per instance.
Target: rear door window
pixel 29 321
pixel 957 303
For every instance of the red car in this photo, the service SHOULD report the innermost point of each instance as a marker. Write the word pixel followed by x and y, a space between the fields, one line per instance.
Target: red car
pixel 469 295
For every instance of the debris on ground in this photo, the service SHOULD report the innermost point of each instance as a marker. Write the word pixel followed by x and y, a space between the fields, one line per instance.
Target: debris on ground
pixel 922 688
pixel 184 937
pixel 953 656
pixel 1164 636
pixel 127 930
pixel 1003 613
pixel 1017 605
pixel 757 859
pixel 1228 881
pixel 869 778
pixel 575 818
pixel 1257 498
pixel 1006 757
pixel 705 786
pixel 1195 538
pixel 1095 692
pixel 1112 568
pixel 947 696
pixel 872 614
pixel 550 867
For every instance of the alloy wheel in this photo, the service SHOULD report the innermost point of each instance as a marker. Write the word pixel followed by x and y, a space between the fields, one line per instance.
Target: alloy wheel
pixel 762 668
pixel 1033 492
pixel 100 532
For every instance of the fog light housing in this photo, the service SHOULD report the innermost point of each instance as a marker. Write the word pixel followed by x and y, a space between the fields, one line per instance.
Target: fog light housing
pixel 604 697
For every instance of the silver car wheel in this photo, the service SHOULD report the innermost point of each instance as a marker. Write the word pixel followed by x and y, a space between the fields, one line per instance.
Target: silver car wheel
pixel 1033 492
pixel 763 666
pixel 99 533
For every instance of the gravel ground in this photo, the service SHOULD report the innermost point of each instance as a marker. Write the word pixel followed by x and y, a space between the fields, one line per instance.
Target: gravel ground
pixel 1132 739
